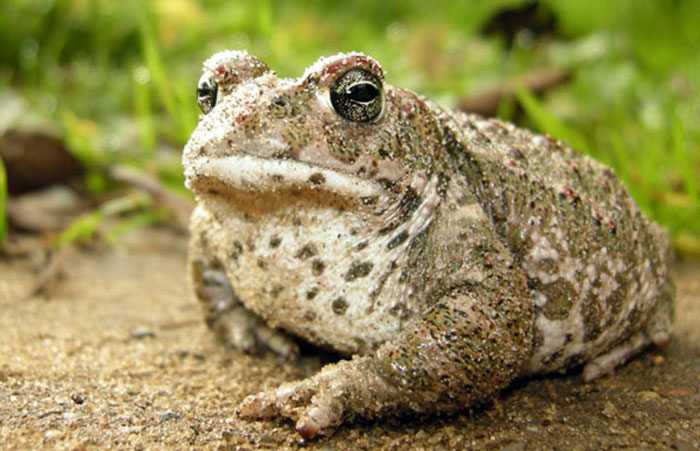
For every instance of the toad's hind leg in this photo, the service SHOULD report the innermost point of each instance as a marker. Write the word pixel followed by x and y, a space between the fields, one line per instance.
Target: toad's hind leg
pixel 656 331
pixel 232 323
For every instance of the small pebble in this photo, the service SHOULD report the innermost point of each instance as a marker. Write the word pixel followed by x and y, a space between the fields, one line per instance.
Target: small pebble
pixel 609 411
pixel 169 416
pixel 648 395
pixel 142 332
pixel 52 433
pixel 77 398
pixel 657 360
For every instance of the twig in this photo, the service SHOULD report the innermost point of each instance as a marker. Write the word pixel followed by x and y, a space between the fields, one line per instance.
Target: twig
pixel 537 82
pixel 180 207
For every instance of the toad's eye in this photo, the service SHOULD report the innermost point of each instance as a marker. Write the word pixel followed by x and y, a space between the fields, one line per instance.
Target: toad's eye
pixel 207 90
pixel 357 96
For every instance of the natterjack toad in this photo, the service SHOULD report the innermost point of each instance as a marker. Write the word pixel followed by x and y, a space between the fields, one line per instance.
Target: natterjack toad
pixel 446 253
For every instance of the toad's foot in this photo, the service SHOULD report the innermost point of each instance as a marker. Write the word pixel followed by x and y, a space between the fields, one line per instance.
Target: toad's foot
pixel 318 404
pixel 242 329
pixel 420 371
pixel 232 323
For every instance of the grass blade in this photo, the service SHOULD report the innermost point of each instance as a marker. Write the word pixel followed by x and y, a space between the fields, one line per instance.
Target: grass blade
pixel 548 123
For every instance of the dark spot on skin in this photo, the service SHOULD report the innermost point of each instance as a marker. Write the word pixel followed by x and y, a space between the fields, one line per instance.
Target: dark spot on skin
pixel 275 241
pixel 296 222
pixel 386 184
pixel 559 299
pixel 482 138
pixel 262 264
pixel 213 191
pixel 317 178
pixel 361 171
pixel 398 239
pixel 388 228
pixel 309 315
pixel 276 290
pixel 311 293
pixel 409 203
pixel 361 245
pixel 282 154
pixel 339 306
pixel 251 245
pixel 382 281
pixel 305 252
pixel 317 267
pixel 570 195
pixel 407 206
pixel 517 153
pixel 532 283
pixel 358 271
pixel 236 250
pixel 399 310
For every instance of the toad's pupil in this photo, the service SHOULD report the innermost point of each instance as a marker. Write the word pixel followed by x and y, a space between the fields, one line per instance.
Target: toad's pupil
pixel 363 92
pixel 207 90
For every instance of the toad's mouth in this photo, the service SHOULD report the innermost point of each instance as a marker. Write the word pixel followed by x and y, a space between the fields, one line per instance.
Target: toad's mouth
pixel 250 173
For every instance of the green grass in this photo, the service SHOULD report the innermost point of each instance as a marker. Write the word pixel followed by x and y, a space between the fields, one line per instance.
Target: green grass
pixel 138 209
pixel 120 76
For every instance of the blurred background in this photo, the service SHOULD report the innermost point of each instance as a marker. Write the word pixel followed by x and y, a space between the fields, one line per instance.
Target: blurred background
pixel 98 96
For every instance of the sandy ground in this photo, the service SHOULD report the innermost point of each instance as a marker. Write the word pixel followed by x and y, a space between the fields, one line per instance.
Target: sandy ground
pixel 118 357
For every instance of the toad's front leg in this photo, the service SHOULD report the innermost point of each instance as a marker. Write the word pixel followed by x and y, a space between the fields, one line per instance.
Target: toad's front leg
pixel 468 346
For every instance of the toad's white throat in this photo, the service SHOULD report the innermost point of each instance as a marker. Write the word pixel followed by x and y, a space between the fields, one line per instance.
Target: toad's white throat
pixel 331 276
pixel 251 173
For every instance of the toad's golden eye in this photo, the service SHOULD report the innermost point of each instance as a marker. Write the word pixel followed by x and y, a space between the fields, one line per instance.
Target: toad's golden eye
pixel 207 90
pixel 357 96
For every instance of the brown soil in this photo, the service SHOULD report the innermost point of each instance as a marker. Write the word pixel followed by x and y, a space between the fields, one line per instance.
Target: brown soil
pixel 117 356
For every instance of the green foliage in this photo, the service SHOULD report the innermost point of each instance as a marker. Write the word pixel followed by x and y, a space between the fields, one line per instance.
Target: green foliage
pixel 120 76
pixel 547 122
pixel 88 224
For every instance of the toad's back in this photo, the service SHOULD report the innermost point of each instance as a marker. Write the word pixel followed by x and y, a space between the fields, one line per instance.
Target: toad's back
pixel 596 266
